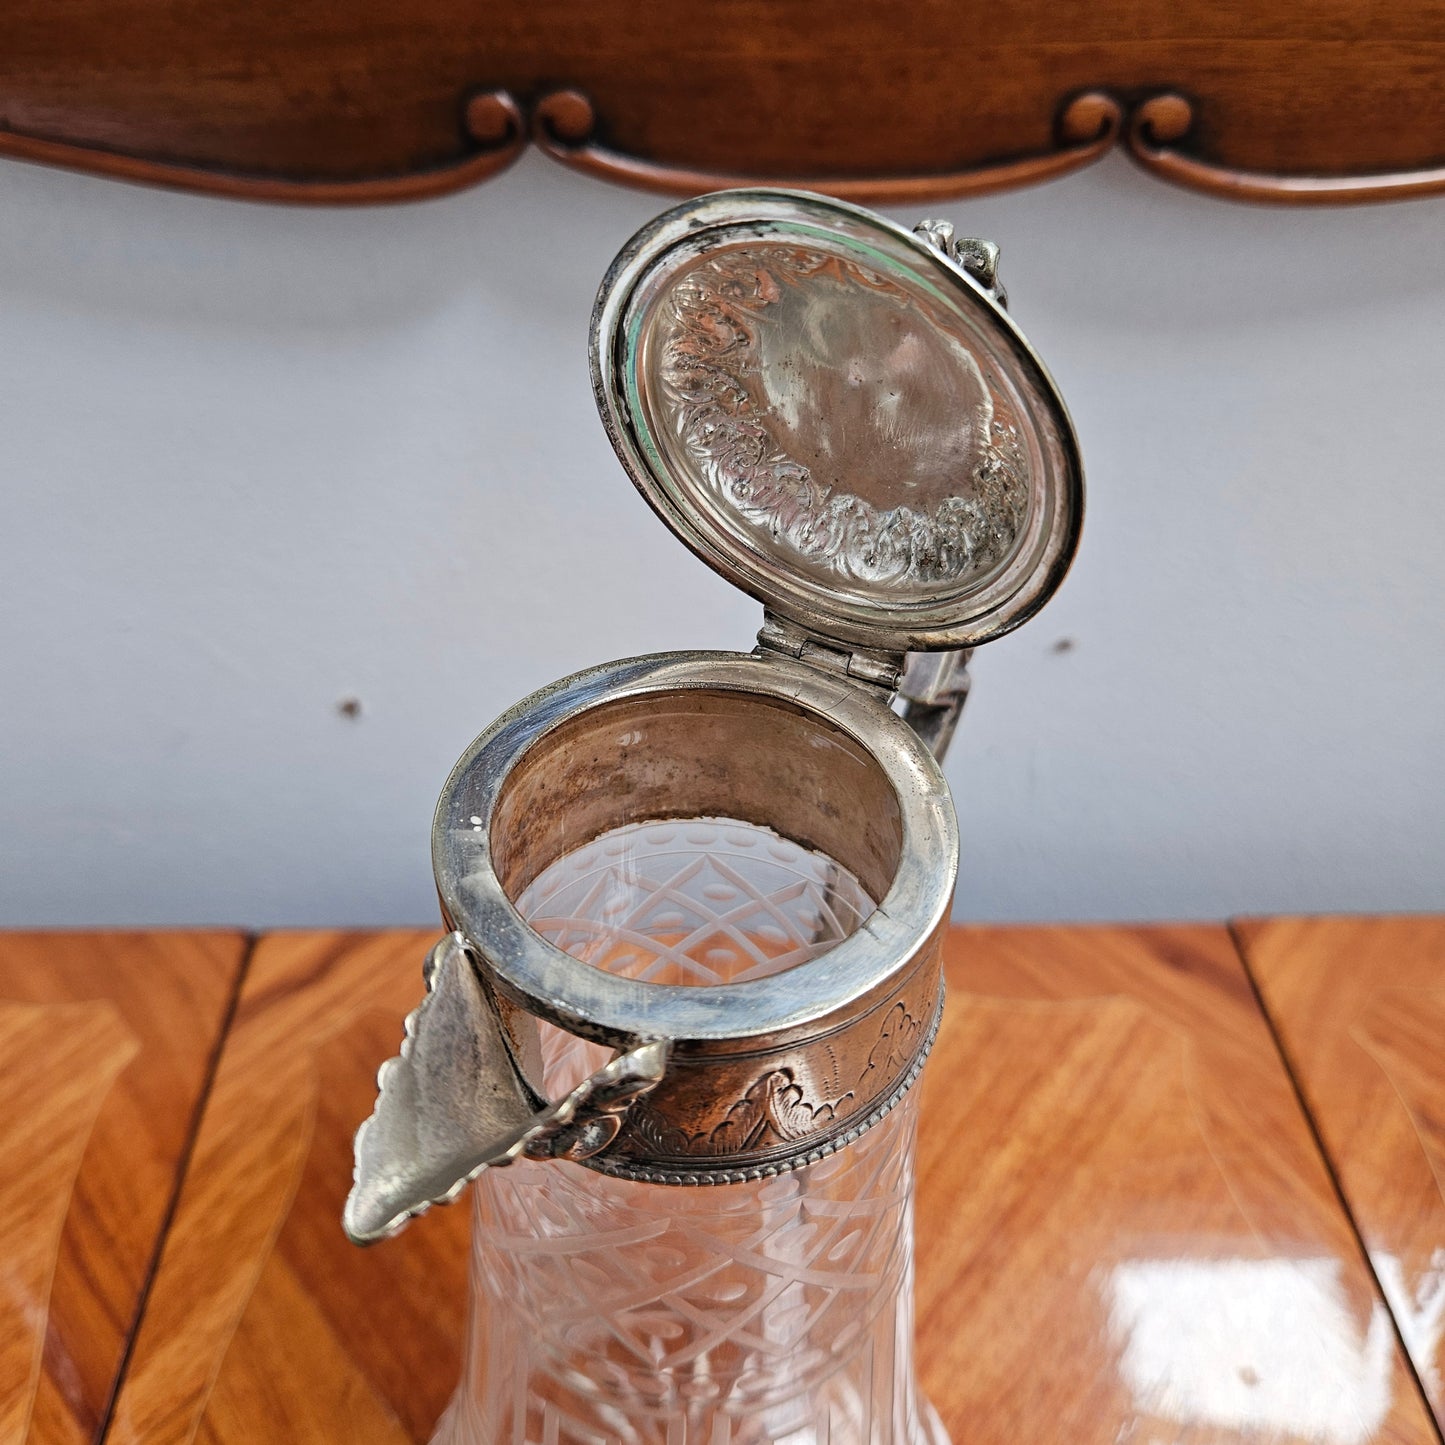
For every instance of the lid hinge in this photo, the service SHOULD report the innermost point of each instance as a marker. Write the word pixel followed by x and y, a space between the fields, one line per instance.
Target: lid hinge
pixel 934 688
pixel 882 670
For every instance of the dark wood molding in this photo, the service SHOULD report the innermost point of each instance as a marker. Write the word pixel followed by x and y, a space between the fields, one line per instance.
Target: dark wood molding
pixel 361 102
pixel 1159 127
pixel 564 125
pixel 492 119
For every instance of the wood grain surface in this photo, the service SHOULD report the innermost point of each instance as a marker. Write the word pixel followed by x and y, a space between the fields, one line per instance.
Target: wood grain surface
pixel 1126 1235
pixel 1359 1005
pixel 105 1042
pixel 368 101
pixel 264 1323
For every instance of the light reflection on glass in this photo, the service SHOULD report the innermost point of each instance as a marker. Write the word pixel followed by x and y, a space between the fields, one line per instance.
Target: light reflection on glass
pixel 1259 1345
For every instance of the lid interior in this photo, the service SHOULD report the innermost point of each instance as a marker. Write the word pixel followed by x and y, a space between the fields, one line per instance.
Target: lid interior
pixel 837 418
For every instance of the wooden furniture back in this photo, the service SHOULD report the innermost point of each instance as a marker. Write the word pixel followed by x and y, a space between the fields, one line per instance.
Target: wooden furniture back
pixel 369 101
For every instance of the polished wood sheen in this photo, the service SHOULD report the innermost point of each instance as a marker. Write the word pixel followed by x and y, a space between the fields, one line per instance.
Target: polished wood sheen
pixel 1359 1005
pixel 105 1043
pixel 264 1323
pixel 1125 1231
pixel 1162 127
pixel 368 101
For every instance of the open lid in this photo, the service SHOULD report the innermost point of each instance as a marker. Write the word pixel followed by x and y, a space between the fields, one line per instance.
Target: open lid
pixel 837 417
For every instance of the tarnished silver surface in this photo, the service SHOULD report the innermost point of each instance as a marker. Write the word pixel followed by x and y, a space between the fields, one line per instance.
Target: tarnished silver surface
pixel 765 1074
pixel 977 256
pixel 616 1011
pixel 828 412
pixel 454 1101
pixel 760 1076
pixel 934 688
pixel 840 417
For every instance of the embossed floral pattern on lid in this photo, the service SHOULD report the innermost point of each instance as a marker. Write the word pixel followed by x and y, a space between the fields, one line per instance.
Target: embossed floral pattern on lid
pixel 830 410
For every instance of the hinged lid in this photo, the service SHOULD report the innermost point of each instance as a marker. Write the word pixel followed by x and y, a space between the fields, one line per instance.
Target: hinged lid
pixel 837 417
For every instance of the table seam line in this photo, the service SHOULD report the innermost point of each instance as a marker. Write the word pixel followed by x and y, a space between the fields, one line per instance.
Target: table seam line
pixel 183 1166
pixel 1336 1183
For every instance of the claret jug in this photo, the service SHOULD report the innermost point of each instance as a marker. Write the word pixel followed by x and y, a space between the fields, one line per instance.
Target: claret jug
pixel 694 903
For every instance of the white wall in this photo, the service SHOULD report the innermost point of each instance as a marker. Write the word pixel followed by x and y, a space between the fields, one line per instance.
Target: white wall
pixel 257 460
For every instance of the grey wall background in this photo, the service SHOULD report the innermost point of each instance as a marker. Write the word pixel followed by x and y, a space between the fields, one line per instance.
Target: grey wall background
pixel 255 461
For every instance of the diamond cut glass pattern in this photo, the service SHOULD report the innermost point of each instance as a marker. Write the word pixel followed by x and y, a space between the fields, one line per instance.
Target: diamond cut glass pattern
pixel 781 1310
pixel 704 901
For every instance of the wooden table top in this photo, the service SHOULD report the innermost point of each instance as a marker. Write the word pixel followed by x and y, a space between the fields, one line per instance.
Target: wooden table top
pixel 106 1041
pixel 1359 1006
pixel 1176 1186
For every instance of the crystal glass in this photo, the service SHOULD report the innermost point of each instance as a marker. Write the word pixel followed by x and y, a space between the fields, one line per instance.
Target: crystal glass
pixel 775 1312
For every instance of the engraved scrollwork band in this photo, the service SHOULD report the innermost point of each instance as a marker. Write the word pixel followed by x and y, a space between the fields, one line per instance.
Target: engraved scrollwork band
pixel 774 1108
